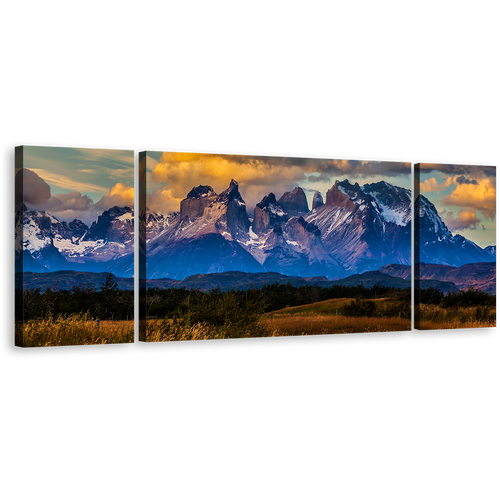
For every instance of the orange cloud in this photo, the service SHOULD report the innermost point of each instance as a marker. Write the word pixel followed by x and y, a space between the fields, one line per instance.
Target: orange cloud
pixel 481 196
pixel 432 185
pixel 163 201
pixel 119 195
pixel 180 172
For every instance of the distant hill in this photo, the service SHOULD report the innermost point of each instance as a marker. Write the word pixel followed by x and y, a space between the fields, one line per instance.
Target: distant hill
pixel 235 280
pixel 65 280
pixel 479 275
pixel 371 278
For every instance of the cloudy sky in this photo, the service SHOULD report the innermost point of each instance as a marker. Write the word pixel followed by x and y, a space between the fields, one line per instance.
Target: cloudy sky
pixel 81 183
pixel 170 176
pixel 465 195
pixel 73 183
pixel 465 198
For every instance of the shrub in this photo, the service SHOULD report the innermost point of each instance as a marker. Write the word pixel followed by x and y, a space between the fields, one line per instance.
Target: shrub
pixel 430 295
pixel 359 307
pixel 468 298
pixel 213 315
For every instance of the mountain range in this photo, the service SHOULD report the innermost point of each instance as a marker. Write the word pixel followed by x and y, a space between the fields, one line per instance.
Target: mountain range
pixel 479 275
pixel 446 278
pixel 45 244
pixel 352 230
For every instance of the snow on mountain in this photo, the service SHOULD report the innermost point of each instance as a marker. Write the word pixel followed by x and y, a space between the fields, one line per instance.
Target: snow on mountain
pixel 58 245
pixel 354 229
pixel 151 224
pixel 492 250
pixel 394 202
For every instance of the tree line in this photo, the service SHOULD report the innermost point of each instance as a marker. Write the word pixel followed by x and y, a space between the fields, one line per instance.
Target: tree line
pixel 108 302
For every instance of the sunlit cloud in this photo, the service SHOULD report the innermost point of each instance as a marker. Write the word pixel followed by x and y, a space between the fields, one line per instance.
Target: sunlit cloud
pixel 480 196
pixel 432 185
pixel 175 174
pixel 179 173
pixel 119 195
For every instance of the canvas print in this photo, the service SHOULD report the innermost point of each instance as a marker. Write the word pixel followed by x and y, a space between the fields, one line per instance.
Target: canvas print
pixel 238 246
pixel 74 246
pixel 455 246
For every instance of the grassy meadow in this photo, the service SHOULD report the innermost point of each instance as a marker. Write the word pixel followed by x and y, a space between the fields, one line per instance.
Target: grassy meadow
pixel 75 329
pixel 216 315
pixel 328 317
pixel 435 317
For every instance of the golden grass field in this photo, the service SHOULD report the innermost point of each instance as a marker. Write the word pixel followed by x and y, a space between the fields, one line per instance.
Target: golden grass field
pixel 320 318
pixel 76 329
pixel 434 317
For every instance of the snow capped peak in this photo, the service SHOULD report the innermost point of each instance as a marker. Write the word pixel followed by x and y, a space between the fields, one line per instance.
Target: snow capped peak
pixel 394 202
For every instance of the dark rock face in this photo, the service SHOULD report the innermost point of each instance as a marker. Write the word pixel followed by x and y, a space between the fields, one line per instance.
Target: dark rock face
pixel 294 202
pixel 236 216
pixel 337 198
pixel 231 193
pixel 210 212
pixel 201 192
pixel 302 229
pixel 267 201
pixel 317 200
pixel 267 214
pixel 196 201
pixel 275 238
pixel 115 224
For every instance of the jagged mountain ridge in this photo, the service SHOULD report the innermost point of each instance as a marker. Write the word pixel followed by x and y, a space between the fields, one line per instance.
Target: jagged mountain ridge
pixel 231 240
pixel 479 275
pixel 353 229
pixel 359 230
pixel 44 243
pixel 356 229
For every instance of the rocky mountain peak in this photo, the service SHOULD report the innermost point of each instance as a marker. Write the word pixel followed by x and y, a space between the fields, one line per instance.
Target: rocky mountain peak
pixel 309 226
pixel 268 213
pixel 115 224
pixel 294 202
pixel 196 201
pixel 267 201
pixel 336 197
pixel 201 192
pixel 317 200
pixel 231 193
